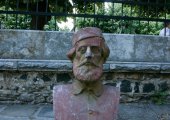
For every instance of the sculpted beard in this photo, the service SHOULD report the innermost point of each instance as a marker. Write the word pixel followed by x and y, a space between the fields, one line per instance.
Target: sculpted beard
pixel 87 72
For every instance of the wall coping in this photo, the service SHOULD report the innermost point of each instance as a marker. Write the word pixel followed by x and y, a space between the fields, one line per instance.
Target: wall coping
pixel 66 66
pixel 53 45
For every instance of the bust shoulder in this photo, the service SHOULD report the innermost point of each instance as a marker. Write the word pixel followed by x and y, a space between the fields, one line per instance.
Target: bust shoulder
pixel 111 88
pixel 60 89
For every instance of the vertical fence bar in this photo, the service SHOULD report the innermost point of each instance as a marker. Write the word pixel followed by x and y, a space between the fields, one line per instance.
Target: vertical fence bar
pixel 85 8
pixel 94 6
pixel 27 6
pixel 66 10
pixel 156 13
pixel 131 22
pixel 55 17
pixel 165 9
pixel 165 18
pixel 140 8
pixel 6 9
pixel 112 7
pixel 46 10
pixel 148 5
pixel 27 10
pixel 74 18
pixel 122 23
pixel 103 14
pixel 37 17
pixel 16 15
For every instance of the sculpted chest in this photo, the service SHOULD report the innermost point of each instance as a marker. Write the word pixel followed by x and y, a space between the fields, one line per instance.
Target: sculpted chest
pixel 85 106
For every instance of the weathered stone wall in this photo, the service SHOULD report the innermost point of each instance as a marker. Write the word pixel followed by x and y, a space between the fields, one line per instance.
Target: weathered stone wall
pixel 40 45
pixel 32 62
pixel 36 87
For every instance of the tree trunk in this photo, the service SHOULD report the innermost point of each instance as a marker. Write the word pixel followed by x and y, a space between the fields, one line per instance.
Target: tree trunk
pixel 38 21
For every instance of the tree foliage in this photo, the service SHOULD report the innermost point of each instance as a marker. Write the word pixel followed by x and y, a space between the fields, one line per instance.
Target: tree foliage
pixel 37 21
pixel 120 26
pixel 151 8
pixel 145 9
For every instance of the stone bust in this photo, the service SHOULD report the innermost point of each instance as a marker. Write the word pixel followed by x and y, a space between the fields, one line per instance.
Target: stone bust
pixel 87 98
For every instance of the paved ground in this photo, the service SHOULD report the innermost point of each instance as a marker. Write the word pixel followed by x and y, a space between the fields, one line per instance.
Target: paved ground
pixel 132 111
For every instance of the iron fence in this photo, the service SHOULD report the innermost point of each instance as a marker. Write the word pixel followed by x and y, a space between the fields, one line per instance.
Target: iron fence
pixel 112 16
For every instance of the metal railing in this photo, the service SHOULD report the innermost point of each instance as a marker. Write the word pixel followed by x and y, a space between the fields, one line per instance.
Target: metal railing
pixel 112 16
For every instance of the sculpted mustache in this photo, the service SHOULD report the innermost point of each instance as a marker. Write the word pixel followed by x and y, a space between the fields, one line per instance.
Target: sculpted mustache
pixel 85 62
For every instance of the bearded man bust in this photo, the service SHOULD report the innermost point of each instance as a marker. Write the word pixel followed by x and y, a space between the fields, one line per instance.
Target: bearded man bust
pixel 86 98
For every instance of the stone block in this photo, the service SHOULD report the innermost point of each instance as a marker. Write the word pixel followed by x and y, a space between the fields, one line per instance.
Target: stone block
pixel 136 88
pixel 25 97
pixel 63 77
pixel 150 48
pixel 19 44
pixel 29 45
pixel 121 47
pixel 119 76
pixel 5 92
pixel 163 86
pixel 125 86
pixel 167 50
pixel 148 87
pixel 57 44
pixel 133 76
pixel 109 76
pixel 7 43
pixel 1 77
pixel 46 78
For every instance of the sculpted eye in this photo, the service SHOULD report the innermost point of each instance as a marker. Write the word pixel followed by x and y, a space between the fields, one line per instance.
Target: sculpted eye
pixel 82 49
pixel 95 49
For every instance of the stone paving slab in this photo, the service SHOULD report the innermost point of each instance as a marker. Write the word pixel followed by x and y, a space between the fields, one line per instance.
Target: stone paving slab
pixel 19 110
pixel 14 118
pixel 2 107
pixel 46 111
pixel 128 111
pixel 137 111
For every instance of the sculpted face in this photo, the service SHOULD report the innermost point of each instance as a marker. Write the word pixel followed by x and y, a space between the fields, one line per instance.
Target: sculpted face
pixel 88 60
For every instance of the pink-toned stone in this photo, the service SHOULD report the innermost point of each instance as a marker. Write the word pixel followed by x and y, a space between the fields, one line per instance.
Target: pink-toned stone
pixel 87 98
pixel 68 106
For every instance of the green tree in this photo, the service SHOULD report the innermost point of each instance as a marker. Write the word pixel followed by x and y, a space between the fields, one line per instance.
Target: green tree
pixel 37 22
pixel 120 26
pixel 89 7
pixel 150 8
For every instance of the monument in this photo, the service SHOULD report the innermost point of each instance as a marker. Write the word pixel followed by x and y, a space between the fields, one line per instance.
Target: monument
pixel 86 98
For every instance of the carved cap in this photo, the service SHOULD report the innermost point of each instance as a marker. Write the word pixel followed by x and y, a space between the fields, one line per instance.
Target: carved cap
pixel 83 34
pixel 87 32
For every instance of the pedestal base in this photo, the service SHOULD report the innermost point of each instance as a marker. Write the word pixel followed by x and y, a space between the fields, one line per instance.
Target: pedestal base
pixel 68 106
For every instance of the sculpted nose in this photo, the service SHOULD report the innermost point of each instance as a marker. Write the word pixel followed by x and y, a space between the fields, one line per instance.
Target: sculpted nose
pixel 88 53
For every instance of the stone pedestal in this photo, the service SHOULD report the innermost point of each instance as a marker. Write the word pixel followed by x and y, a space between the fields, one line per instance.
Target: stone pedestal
pixel 85 106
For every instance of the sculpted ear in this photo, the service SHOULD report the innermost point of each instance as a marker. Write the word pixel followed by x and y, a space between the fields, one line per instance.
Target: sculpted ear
pixel 106 52
pixel 71 54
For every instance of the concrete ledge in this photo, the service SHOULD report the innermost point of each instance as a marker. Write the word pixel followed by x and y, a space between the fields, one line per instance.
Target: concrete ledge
pixel 66 66
pixel 136 66
pixel 44 65
pixel 53 45
pixel 8 64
